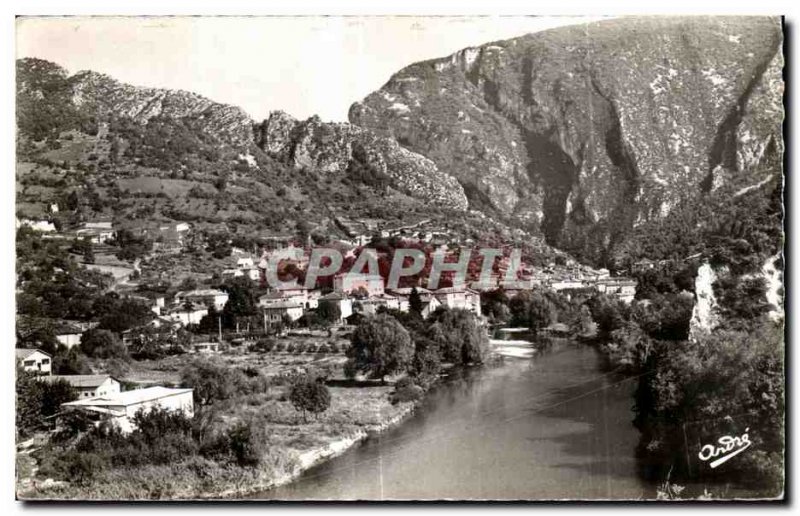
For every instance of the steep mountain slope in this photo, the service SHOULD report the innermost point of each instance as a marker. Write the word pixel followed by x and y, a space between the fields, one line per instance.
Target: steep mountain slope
pixel 589 130
pixel 109 149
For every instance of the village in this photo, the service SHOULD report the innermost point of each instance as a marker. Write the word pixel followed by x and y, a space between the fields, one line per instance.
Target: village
pixel 198 312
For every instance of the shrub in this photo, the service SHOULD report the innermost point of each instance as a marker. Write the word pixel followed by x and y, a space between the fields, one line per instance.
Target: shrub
pixel 406 390
pixel 247 443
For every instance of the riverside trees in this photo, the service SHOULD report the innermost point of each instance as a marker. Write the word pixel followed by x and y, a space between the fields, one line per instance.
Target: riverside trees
pixel 382 345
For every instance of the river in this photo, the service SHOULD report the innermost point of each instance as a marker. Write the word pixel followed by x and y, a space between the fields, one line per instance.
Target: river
pixel 553 425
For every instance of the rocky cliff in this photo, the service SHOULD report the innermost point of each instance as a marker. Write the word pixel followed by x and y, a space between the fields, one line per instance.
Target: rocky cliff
pixel 105 96
pixel 335 148
pixel 588 130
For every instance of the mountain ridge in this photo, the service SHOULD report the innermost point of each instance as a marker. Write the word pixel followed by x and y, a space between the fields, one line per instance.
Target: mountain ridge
pixel 587 130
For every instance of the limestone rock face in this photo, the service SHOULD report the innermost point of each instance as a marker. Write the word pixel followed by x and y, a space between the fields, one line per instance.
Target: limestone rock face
pixel 705 314
pixel 590 129
pixel 332 148
pixel 100 94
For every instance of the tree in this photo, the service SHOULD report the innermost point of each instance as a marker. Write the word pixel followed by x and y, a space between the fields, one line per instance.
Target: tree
pixel 540 312
pixel 723 384
pixel 328 311
pixel 119 315
pixel 70 361
pixel 241 303
pixel 310 395
pixel 415 301
pixel 380 346
pixel 101 343
pixel 37 400
pixel 459 337
pixel 427 362
pixel 209 381
pixel 88 254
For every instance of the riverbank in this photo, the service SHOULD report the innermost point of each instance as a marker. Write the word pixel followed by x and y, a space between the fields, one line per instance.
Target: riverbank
pixel 294 446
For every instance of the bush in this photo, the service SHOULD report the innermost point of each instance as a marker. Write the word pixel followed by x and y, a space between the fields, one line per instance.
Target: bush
pixel 405 390
pixel 247 443
pixel 99 343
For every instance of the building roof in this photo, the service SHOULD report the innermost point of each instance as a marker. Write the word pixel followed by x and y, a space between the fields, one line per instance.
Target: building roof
pixel 205 292
pixel 128 398
pixel 22 354
pixel 81 380
pixel 406 291
pixel 455 290
pixel 618 281
pixel 282 305
pixel 334 296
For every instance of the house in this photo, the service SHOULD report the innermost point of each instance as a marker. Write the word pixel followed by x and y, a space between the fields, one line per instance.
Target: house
pixel 295 295
pixel 403 296
pixel 96 232
pixel 349 283
pixel 205 297
pixel 89 385
pixel 120 408
pixel 35 360
pixel 245 263
pixel 565 283
pixel 459 298
pixel 371 305
pixel 430 306
pixel 275 312
pixel 622 288
pixel 68 338
pixel 341 300
pixel 206 347
pixel 188 314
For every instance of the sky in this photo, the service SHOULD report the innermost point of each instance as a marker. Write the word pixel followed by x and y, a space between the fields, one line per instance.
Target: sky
pixel 302 65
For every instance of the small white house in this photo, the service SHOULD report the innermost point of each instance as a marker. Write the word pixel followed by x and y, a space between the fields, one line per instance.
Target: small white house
pixel 204 297
pixel 349 283
pixel 460 298
pixel 70 339
pixel 35 360
pixel 274 312
pixel 245 263
pixel 120 408
pixel 186 315
pixel 89 385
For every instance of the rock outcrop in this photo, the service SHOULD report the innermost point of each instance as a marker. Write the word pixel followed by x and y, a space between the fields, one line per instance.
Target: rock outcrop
pixel 332 148
pixel 103 95
pixel 705 314
pixel 589 129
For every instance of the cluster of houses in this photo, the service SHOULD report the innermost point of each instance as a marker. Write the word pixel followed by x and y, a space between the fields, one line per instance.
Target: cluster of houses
pixel 100 396
pixel 362 294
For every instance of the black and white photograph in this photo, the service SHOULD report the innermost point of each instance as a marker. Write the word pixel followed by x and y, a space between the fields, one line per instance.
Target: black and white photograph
pixel 408 258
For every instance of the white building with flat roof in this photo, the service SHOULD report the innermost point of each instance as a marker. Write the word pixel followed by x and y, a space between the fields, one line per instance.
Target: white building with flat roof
pixel 120 408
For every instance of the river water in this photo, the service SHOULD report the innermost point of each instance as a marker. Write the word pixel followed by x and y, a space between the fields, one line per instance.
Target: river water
pixel 553 425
